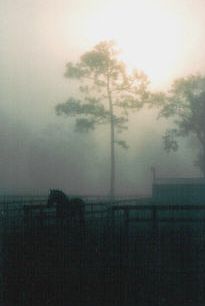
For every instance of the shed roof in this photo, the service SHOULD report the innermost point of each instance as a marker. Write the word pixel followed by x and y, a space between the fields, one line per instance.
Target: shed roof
pixel 180 181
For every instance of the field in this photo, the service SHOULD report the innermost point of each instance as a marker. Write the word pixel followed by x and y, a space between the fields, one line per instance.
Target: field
pixel 130 253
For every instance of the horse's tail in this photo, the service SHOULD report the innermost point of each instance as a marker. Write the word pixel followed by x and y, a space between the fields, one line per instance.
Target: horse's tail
pixel 79 205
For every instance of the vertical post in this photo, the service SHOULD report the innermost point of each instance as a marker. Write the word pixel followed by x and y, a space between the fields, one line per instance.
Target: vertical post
pixel 113 221
pixel 41 217
pixel 154 220
pixel 126 224
pixel 156 256
pixel 26 216
pixel 111 234
pixel 126 259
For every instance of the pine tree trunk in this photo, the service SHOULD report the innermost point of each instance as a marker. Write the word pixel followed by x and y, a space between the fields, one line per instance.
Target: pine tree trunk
pixel 112 158
pixel 112 145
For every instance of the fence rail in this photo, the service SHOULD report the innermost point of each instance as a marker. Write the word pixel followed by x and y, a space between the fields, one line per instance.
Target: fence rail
pixel 129 210
pixel 128 252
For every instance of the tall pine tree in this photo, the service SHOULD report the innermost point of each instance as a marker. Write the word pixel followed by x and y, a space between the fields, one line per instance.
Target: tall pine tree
pixel 106 94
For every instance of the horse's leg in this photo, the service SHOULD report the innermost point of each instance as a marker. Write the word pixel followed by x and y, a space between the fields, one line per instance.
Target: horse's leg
pixel 81 216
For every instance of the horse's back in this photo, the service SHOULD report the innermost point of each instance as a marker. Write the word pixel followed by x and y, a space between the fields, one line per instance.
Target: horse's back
pixel 67 207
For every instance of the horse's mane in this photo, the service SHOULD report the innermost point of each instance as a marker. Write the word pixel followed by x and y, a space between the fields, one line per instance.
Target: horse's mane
pixel 57 196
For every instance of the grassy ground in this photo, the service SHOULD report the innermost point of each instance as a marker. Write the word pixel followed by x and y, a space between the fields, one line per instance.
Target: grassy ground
pixel 92 266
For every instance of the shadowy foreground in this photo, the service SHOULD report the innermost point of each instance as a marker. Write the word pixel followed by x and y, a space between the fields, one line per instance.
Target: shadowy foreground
pixel 98 265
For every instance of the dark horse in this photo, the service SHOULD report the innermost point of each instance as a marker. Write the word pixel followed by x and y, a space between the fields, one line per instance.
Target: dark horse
pixel 67 209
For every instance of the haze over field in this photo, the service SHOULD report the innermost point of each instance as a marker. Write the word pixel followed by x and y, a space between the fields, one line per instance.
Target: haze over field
pixel 39 150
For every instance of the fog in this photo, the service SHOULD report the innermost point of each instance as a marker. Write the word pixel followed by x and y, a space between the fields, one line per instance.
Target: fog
pixel 39 150
pixel 33 160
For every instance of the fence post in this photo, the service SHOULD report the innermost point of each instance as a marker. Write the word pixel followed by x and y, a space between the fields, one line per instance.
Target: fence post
pixel 113 219
pixel 154 220
pixel 157 256
pixel 126 223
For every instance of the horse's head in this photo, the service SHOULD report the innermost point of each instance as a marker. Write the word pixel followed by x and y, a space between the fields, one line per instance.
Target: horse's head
pixel 56 196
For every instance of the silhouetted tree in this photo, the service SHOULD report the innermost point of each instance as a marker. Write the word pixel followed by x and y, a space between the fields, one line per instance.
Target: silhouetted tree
pixel 106 93
pixel 185 104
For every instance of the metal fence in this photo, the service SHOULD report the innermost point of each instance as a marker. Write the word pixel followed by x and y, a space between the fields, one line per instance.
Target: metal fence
pixel 134 251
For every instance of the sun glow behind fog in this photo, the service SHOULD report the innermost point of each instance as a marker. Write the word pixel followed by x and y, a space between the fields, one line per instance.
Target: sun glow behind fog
pixel 153 37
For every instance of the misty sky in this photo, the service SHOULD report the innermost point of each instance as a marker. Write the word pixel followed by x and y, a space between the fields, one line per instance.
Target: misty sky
pixel 165 38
